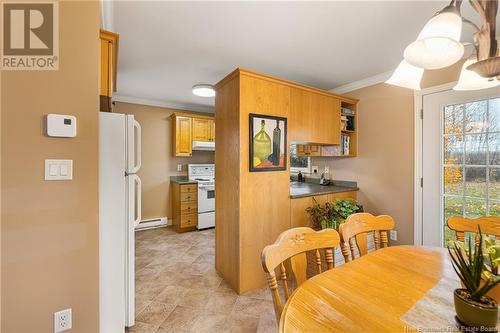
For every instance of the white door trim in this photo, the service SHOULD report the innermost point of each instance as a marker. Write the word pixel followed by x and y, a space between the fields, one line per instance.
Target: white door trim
pixel 417 188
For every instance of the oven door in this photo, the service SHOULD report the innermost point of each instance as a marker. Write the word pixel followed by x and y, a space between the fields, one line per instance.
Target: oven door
pixel 206 198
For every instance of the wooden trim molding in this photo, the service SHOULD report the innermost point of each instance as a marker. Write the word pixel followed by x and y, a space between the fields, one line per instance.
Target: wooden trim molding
pixel 246 72
pixel 363 83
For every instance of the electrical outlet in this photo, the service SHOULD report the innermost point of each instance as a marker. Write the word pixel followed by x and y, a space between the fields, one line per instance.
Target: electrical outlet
pixel 327 169
pixel 393 235
pixel 314 169
pixel 62 320
pixel 179 167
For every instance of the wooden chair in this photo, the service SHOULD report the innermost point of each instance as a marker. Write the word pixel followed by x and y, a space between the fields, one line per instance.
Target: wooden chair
pixel 292 245
pixel 490 225
pixel 357 226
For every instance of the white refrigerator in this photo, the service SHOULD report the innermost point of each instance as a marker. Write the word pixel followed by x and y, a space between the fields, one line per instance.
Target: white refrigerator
pixel 119 213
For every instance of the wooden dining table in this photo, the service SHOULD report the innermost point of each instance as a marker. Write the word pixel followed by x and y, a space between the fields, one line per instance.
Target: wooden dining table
pixel 369 294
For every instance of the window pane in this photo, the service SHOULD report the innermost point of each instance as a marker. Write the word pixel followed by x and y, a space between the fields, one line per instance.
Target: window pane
pixel 494 208
pixel 475 149
pixel 475 182
pixel 476 120
pixel 452 207
pixel 453 149
pixel 494 148
pixel 453 119
pixel 494 184
pixel 494 115
pixel 475 208
pixel 453 180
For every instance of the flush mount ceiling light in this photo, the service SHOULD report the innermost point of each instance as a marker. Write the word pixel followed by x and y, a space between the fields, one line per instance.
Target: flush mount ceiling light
pixel 438 44
pixel 203 90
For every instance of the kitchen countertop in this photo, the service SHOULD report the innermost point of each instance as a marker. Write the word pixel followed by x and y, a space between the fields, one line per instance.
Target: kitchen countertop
pixel 301 190
pixel 182 180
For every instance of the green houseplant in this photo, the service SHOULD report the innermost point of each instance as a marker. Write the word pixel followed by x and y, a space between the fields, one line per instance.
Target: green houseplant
pixel 332 214
pixel 473 307
pixel 491 252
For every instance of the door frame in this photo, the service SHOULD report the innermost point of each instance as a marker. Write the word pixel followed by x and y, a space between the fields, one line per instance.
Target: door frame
pixel 418 96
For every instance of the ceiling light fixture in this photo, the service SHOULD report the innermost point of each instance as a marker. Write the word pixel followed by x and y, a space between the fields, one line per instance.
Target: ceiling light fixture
pixel 203 90
pixel 438 44
pixel 470 80
pixel 406 76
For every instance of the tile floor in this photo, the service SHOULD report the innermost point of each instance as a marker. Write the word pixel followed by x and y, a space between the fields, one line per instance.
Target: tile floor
pixel 178 289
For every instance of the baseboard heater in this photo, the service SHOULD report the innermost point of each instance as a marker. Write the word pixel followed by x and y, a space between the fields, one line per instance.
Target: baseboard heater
pixel 152 223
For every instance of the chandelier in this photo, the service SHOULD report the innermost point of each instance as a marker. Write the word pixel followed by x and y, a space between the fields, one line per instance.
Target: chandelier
pixel 438 45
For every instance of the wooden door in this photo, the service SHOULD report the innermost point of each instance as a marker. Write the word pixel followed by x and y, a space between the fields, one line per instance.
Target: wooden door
pixel 202 129
pixel 183 136
pixel 314 150
pixel 314 117
pixel 212 130
pixel 109 59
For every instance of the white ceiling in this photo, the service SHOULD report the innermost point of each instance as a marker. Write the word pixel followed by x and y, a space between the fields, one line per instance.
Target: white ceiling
pixel 167 47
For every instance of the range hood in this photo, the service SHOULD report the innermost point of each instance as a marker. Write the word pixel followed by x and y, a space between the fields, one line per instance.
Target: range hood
pixel 204 145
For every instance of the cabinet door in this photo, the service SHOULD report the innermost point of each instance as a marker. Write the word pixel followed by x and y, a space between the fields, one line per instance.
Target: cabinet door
pixel 183 136
pixel 314 117
pixel 314 150
pixel 212 130
pixel 299 216
pixel 202 129
pixel 301 150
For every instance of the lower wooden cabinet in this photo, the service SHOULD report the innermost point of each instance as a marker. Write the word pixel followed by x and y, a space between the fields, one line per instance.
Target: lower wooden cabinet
pixel 300 218
pixel 184 206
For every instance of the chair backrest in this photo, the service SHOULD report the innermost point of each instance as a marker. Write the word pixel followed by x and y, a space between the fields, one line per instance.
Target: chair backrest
pixel 353 233
pixel 292 245
pixel 490 225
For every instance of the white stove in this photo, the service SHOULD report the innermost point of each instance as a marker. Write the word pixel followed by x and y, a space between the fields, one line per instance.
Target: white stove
pixel 204 175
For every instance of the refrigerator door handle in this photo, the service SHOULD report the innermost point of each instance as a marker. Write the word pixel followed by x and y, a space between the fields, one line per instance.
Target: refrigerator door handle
pixel 138 195
pixel 138 147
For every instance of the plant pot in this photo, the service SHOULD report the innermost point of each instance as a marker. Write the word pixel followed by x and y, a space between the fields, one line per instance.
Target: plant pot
pixel 474 314
pixel 493 293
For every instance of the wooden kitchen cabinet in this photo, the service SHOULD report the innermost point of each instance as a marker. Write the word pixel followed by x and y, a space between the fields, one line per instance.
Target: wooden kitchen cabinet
pixel 109 60
pixel 183 135
pixel 308 150
pixel 184 206
pixel 298 215
pixel 203 129
pixel 187 128
pixel 314 117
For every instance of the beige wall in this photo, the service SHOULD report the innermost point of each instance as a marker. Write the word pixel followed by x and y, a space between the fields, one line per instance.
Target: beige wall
pixel 50 250
pixel 384 166
pixel 158 163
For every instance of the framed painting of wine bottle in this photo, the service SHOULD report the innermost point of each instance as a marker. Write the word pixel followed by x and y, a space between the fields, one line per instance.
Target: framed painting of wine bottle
pixel 267 143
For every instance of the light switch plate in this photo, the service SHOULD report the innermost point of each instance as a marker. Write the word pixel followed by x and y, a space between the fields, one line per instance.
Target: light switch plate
pixel 179 167
pixel 58 169
pixel 393 234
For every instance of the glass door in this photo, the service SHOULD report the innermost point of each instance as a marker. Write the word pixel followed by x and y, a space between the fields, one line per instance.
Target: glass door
pixel 460 159
pixel 471 158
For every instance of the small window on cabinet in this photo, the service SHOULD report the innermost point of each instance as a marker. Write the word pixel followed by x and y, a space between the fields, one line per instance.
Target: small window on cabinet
pixel 299 163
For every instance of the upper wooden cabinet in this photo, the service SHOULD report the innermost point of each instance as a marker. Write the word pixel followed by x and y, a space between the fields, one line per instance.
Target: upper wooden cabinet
pixel 308 150
pixel 187 128
pixel 109 60
pixel 183 135
pixel 314 117
pixel 203 129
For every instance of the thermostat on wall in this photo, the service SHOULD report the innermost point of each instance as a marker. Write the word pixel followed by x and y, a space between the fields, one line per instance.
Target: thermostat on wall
pixel 61 125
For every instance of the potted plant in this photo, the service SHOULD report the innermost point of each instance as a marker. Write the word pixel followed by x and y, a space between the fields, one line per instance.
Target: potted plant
pixel 491 254
pixel 332 214
pixel 473 307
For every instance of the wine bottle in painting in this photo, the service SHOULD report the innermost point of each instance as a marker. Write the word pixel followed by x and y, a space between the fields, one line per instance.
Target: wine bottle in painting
pixel 276 143
pixel 261 145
